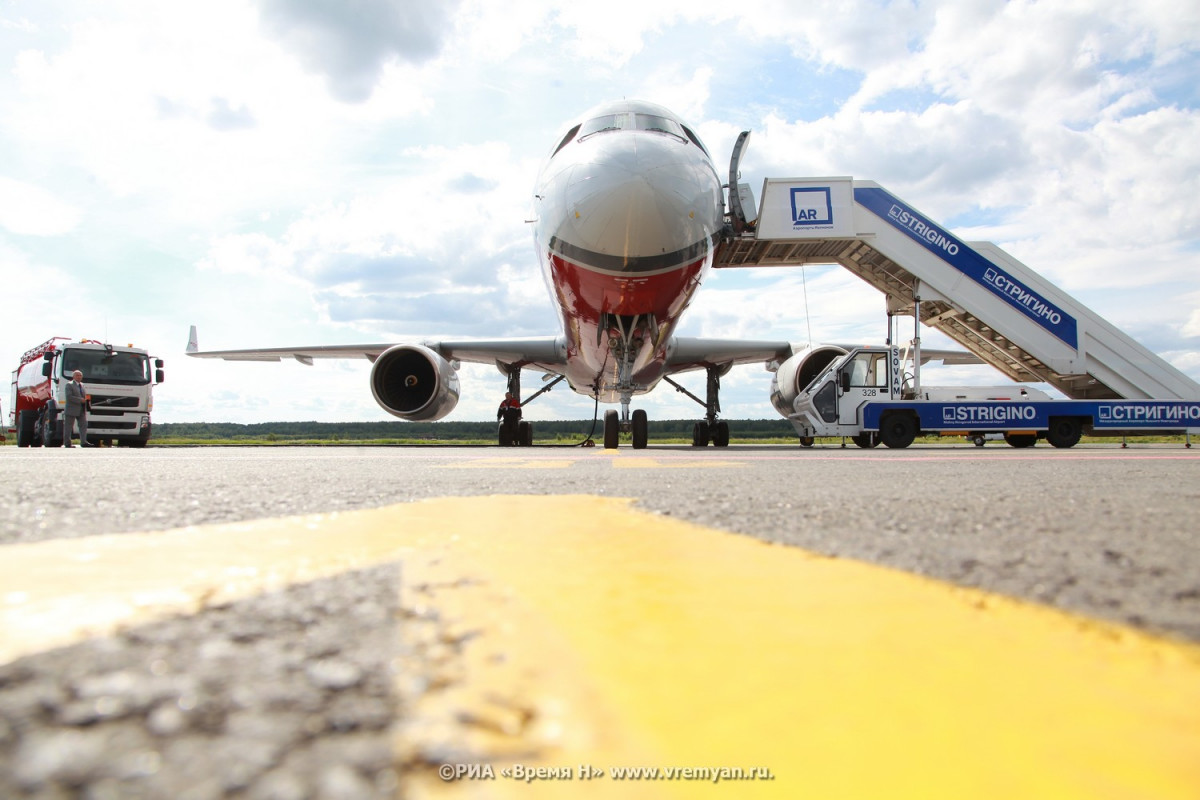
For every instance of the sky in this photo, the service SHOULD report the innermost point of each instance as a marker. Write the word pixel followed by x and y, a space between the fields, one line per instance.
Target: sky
pixel 301 172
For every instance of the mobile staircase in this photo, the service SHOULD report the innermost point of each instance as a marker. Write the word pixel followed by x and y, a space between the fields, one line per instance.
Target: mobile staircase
pixel 989 302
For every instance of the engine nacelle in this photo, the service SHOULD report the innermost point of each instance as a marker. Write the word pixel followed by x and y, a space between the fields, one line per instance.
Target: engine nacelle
pixel 414 383
pixel 795 374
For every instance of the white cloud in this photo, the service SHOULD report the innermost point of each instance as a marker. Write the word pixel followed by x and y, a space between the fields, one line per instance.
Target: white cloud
pixel 351 44
pixel 33 211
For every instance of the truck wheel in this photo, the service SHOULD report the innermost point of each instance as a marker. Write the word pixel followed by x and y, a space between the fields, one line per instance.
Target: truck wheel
pixel 1064 431
pixel 25 424
pixel 866 440
pixel 807 441
pixel 1020 439
pixel 979 439
pixel 897 430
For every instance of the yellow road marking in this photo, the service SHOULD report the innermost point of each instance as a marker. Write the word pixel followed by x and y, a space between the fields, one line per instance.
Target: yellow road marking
pixel 510 463
pixel 617 463
pixel 650 463
pixel 613 638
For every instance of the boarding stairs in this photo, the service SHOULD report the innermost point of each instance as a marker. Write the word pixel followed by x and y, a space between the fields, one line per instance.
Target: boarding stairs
pixel 977 294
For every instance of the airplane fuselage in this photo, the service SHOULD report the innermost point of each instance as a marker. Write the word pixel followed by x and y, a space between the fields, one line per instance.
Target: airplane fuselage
pixel 629 208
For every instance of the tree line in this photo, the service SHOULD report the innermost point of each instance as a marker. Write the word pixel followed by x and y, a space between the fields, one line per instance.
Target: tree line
pixel 444 431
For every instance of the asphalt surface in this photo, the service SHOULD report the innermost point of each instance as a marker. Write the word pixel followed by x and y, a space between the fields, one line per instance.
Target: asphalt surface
pixel 298 693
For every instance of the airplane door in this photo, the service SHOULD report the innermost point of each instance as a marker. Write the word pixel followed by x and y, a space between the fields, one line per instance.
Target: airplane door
pixel 861 379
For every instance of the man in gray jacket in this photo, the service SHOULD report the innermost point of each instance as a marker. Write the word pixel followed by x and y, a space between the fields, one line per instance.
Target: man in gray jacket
pixel 76 411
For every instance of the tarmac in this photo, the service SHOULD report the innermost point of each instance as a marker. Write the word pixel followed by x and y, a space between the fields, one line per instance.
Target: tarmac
pixel 481 622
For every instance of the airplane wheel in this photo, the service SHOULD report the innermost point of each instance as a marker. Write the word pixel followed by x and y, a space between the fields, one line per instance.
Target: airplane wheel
pixel 807 441
pixel 640 429
pixel 612 430
pixel 505 435
pixel 525 434
pixel 721 434
pixel 866 440
pixel 700 434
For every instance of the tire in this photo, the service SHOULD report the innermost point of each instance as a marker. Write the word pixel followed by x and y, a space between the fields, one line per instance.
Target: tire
pixel 721 434
pixel 979 440
pixel 612 430
pixel 504 434
pixel 524 434
pixel 807 441
pixel 26 422
pixel 1064 431
pixel 641 430
pixel 897 430
pixel 866 440
pixel 1020 439
pixel 700 434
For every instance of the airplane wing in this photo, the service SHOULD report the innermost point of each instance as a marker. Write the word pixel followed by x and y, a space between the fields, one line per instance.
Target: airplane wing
pixel 691 353
pixel 950 358
pixel 545 353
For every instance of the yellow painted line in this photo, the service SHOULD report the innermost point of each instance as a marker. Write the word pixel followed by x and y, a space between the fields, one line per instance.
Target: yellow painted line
pixel 593 634
pixel 651 463
pixel 511 463
pixel 633 462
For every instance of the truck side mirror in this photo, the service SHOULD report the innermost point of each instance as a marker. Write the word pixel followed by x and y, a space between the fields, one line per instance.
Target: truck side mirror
pixel 47 368
pixel 844 380
pixel 158 375
pixel 158 363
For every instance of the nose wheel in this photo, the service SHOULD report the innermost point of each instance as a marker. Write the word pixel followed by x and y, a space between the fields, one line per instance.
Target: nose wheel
pixel 638 427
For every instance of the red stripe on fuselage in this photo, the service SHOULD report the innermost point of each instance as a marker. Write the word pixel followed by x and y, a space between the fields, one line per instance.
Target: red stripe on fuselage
pixel 584 295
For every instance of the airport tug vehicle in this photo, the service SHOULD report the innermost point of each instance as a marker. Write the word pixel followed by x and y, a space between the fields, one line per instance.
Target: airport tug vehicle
pixel 866 395
pixel 119 383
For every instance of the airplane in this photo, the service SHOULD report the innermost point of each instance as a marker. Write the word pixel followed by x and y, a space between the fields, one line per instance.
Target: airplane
pixel 629 212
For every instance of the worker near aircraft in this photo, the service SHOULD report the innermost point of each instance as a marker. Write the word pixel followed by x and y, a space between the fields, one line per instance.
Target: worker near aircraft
pixel 508 402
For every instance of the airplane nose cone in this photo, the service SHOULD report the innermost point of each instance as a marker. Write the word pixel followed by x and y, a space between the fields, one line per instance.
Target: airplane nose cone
pixel 640 196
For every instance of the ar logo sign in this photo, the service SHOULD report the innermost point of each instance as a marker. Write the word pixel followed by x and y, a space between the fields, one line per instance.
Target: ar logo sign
pixel 811 205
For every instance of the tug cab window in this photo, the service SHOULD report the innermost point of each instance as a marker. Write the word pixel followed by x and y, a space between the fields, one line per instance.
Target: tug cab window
pixel 868 369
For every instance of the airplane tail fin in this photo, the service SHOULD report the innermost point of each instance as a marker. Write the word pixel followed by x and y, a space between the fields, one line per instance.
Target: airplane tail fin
pixel 192 346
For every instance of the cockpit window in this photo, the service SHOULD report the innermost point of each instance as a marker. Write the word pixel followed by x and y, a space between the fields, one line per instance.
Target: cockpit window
pixel 628 120
pixel 649 122
pixel 608 122
pixel 570 137
pixel 695 139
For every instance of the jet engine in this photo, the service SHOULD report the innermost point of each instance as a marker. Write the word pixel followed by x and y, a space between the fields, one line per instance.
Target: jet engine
pixel 414 383
pixel 795 374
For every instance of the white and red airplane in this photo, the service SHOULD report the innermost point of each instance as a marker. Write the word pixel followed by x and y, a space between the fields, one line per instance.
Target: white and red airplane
pixel 629 213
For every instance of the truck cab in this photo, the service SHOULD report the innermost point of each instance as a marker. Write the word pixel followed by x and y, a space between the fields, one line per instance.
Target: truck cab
pixel 831 405
pixel 118 381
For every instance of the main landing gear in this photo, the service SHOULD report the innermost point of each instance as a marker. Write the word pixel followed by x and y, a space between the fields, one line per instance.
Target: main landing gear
pixel 709 429
pixel 511 429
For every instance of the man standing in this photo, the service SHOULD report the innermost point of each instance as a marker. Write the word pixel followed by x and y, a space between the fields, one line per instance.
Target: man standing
pixel 76 411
